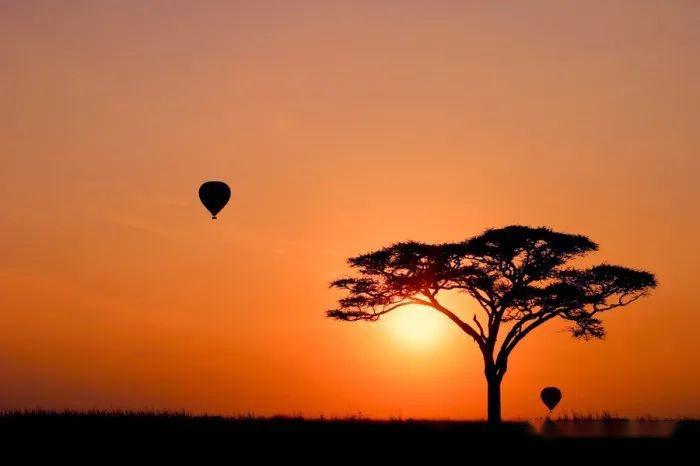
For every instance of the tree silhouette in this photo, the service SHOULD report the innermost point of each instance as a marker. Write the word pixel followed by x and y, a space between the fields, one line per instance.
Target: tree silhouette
pixel 521 277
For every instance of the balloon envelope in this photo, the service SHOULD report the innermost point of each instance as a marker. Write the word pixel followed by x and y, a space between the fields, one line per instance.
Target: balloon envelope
pixel 550 397
pixel 214 195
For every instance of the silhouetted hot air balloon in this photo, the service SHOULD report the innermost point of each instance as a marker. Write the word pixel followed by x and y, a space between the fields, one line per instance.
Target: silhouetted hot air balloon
pixel 550 397
pixel 214 195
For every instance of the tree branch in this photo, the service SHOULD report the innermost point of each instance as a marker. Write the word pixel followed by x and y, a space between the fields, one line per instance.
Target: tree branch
pixel 468 329
pixel 478 324
pixel 517 333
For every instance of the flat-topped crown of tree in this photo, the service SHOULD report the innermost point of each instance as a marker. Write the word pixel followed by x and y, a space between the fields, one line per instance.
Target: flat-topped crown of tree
pixel 520 276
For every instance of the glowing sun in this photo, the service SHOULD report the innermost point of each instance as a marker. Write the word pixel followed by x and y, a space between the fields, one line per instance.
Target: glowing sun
pixel 416 325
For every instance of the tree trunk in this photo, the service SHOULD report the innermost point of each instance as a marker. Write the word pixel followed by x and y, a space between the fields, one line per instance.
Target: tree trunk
pixel 494 399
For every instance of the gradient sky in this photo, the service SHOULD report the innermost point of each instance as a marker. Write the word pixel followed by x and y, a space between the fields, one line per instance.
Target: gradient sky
pixel 341 127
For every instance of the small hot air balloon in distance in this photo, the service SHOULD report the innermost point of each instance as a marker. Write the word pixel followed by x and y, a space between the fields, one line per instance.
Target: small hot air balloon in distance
pixel 214 195
pixel 550 397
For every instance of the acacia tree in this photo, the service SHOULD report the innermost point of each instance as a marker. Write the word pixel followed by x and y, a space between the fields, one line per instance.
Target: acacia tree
pixel 521 277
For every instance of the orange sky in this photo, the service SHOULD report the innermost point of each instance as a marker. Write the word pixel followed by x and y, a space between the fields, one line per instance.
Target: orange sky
pixel 341 127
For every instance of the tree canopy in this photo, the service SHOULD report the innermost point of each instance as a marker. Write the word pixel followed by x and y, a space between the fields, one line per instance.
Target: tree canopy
pixel 517 274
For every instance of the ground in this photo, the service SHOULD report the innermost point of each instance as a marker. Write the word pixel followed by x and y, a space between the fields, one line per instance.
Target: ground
pixel 168 433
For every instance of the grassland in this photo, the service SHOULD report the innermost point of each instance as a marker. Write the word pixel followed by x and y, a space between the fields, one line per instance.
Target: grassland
pixel 170 432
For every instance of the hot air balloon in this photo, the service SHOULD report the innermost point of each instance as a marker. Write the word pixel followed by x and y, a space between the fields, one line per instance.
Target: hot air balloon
pixel 550 397
pixel 214 195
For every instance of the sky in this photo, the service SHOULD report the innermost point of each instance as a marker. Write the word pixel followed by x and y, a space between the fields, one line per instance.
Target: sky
pixel 341 127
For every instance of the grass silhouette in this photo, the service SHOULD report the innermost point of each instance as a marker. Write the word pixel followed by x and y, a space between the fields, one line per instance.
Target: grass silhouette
pixel 172 434
pixel 125 422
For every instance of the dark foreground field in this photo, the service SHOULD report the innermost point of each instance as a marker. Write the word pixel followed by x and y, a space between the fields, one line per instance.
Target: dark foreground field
pixel 172 433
